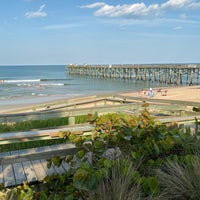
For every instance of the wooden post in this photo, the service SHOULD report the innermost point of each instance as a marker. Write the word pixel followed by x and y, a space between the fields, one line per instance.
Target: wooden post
pixel 180 76
pixel 153 74
pixel 175 76
pixel 144 75
pixel 191 76
pixel 136 74
pixel 71 120
pixel 169 76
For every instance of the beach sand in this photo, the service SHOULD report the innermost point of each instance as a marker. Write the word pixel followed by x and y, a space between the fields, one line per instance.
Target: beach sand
pixel 183 93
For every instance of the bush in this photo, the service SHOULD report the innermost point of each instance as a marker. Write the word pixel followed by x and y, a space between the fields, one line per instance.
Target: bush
pixel 180 180
pixel 104 165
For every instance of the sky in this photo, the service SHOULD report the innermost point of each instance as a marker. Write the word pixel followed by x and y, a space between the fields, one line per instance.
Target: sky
pixel 35 32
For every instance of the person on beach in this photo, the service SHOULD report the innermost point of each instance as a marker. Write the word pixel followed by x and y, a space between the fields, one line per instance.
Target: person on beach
pixel 150 93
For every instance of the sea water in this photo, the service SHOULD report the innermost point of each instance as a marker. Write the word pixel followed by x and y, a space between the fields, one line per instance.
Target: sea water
pixel 35 84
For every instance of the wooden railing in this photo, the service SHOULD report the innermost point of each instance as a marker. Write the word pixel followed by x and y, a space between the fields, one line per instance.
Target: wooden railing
pixel 116 103
pixel 30 164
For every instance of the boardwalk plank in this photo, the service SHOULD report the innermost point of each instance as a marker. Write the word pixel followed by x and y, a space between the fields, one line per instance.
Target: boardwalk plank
pixel 18 169
pixel 64 164
pixel 60 169
pixel 19 173
pixel 1 174
pixel 39 170
pixel 9 177
pixel 7 170
pixel 35 154
pixel 49 171
pixel 29 171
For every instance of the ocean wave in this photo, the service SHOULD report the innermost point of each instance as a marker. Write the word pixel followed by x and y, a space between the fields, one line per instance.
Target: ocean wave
pixel 25 85
pixel 54 79
pixel 40 85
pixel 21 81
pixel 53 84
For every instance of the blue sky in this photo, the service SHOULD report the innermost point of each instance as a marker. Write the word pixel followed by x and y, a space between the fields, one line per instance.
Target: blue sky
pixel 99 32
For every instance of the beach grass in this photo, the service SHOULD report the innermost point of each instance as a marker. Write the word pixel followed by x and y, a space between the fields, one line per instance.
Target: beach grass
pixel 39 124
pixel 36 124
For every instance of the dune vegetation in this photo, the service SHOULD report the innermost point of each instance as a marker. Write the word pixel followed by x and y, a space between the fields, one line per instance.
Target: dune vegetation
pixel 125 158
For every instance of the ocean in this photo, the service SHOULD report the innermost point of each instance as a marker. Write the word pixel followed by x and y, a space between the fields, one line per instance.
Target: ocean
pixel 35 84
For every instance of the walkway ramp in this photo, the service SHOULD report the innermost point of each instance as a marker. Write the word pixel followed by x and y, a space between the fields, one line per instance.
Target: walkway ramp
pixel 30 165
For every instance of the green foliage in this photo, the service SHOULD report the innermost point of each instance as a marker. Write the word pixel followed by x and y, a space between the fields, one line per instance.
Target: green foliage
pixel 86 118
pixel 33 124
pixel 26 145
pixel 84 177
pixel 180 180
pixel 37 124
pixel 119 184
pixel 23 192
pixel 196 109
pixel 100 165
pixel 142 140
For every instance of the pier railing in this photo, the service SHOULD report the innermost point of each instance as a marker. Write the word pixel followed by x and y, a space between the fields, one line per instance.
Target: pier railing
pixel 163 73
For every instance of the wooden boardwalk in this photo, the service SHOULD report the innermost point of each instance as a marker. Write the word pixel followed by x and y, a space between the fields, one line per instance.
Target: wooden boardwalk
pixel 30 165
pixel 16 167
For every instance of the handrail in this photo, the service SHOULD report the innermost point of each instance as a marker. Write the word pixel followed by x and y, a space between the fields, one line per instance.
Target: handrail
pixel 18 136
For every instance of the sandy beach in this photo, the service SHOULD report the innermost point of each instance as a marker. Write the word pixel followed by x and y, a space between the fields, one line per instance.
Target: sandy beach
pixel 182 93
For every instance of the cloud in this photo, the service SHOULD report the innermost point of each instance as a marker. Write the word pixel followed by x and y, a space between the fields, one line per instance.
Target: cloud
pixel 94 5
pixel 178 28
pixel 38 13
pixel 137 10
pixel 181 4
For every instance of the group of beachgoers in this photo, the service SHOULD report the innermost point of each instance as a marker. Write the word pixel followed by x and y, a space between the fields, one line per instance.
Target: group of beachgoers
pixel 151 92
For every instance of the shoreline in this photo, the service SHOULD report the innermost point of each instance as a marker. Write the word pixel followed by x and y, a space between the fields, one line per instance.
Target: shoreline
pixel 28 104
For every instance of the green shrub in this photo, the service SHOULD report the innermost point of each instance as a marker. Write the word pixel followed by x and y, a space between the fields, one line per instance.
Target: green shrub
pixel 119 184
pixel 33 124
pixel 180 181
pixel 97 166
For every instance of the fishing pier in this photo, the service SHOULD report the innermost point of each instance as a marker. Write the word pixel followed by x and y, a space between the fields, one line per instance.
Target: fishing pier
pixel 176 74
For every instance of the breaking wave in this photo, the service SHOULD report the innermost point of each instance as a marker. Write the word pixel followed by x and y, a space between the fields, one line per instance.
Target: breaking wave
pixel 20 81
